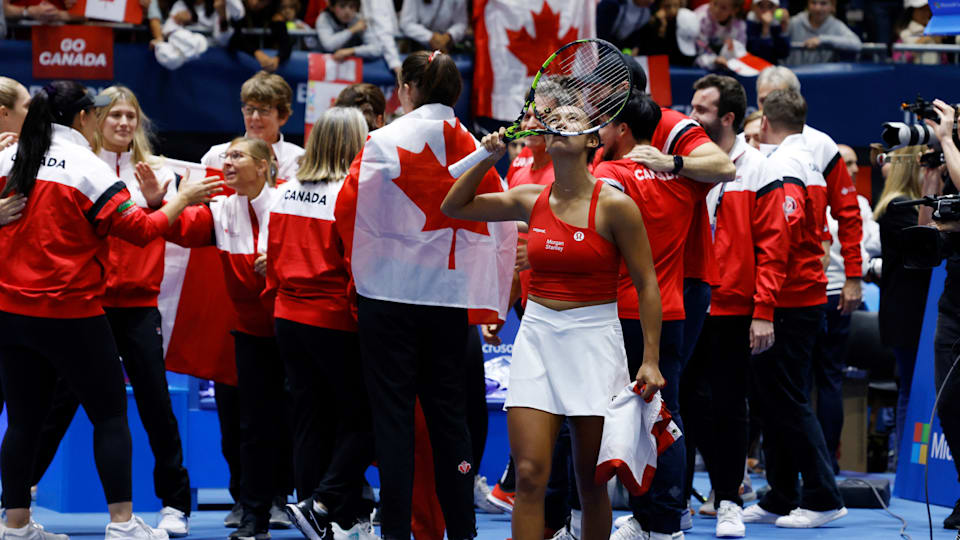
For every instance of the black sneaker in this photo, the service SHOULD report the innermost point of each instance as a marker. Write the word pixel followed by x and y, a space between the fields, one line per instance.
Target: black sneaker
pixel 311 523
pixel 250 530
pixel 233 519
pixel 953 520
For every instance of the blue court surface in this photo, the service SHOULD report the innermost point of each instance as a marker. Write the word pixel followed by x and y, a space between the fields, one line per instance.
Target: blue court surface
pixel 859 524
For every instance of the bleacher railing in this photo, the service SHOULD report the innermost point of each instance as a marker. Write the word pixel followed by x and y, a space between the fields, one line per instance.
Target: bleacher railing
pixel 873 52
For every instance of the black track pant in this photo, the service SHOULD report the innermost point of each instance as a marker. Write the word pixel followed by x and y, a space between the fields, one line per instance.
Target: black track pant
pixel 137 334
pixel 412 351
pixel 475 386
pixel 717 379
pixel 333 435
pixel 945 355
pixel 792 439
pixel 265 463
pixel 33 353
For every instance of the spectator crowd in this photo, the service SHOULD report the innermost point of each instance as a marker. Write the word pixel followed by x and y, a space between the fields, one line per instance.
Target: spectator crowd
pixel 717 260
pixel 705 33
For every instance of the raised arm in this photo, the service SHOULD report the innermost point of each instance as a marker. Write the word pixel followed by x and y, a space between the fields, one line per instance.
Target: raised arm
pixel 462 201
pixel 630 235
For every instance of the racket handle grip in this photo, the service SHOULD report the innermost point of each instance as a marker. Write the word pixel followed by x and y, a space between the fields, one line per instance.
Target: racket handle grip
pixel 462 166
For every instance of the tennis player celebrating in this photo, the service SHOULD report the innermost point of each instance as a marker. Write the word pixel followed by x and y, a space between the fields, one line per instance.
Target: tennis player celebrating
pixel 568 358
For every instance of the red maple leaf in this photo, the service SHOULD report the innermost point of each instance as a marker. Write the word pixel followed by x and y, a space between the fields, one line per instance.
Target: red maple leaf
pixel 533 50
pixel 426 182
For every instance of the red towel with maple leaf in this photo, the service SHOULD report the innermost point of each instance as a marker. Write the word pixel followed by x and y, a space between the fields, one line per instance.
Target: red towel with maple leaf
pixel 513 39
pixel 398 245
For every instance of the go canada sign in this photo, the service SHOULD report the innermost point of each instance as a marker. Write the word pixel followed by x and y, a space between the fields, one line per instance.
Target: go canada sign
pixel 73 52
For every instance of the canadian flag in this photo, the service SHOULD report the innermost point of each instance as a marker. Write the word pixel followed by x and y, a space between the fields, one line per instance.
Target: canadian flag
pixel 513 39
pixel 657 69
pixel 740 61
pixel 128 11
pixel 196 311
pixel 399 245
pixel 326 78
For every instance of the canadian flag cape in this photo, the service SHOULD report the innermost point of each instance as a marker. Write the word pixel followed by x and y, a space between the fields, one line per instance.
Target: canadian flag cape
pixel 195 309
pixel 398 244
pixel 514 38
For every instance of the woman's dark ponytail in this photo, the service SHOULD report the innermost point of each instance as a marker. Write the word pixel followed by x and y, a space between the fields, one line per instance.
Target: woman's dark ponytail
pixel 435 76
pixel 56 103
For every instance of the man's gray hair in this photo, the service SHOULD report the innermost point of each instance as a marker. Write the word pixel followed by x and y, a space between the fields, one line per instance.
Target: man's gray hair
pixel 780 77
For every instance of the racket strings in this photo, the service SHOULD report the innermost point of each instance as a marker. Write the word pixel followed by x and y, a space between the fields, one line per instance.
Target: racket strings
pixel 587 76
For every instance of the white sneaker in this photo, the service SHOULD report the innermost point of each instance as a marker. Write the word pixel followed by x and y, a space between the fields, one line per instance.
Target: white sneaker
pixel 622 520
pixel 564 534
pixel 730 521
pixel 664 536
pixel 135 529
pixel 707 508
pixel 175 522
pixel 686 519
pixel 32 531
pixel 361 530
pixel 481 490
pixel 801 518
pixel 630 530
pixel 755 514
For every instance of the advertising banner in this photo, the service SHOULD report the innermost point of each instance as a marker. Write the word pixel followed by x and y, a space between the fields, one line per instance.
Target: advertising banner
pixel 923 442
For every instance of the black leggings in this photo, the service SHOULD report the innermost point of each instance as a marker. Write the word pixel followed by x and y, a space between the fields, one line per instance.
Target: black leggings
pixel 137 331
pixel 33 353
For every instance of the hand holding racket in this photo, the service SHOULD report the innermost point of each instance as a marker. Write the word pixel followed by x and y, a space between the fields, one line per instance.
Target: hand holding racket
pixel 590 74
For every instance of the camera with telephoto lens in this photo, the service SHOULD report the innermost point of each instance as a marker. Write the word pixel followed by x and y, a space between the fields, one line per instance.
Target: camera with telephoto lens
pixel 925 246
pixel 896 134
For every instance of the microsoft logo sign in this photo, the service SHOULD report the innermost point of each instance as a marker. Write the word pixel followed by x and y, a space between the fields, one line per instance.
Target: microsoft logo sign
pixel 922 441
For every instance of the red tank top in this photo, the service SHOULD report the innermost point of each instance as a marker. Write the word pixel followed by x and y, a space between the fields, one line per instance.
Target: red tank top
pixel 570 263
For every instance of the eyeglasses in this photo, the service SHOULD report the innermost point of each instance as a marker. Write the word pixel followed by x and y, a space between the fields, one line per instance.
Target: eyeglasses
pixel 235 155
pixel 248 110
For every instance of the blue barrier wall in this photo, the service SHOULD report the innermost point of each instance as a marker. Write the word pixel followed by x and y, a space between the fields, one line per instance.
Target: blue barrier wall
pixel 204 95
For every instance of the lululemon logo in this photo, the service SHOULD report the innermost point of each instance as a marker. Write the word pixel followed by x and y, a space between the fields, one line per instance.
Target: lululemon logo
pixel 578 236
pixel 464 467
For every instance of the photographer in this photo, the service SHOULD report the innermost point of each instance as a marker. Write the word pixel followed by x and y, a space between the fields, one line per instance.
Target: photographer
pixel 948 319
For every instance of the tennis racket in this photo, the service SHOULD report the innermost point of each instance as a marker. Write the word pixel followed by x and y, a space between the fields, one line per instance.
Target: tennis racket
pixel 589 74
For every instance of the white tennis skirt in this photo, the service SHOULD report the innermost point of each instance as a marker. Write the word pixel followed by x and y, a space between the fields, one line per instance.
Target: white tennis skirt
pixel 570 363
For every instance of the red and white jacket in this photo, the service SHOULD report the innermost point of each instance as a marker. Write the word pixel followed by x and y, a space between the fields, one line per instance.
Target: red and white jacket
pixel 751 241
pixel 305 257
pixel 841 198
pixel 134 273
pixel 805 202
pixel 53 256
pixel 232 224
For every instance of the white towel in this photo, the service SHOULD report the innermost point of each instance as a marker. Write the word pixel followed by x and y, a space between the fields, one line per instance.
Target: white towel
pixel 635 432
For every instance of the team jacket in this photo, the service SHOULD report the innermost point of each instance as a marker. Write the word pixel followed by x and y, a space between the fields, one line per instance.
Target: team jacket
pixel 134 273
pixel 232 224
pixel 678 134
pixel 805 201
pixel 53 255
pixel 751 241
pixel 287 154
pixel 841 197
pixel 305 264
